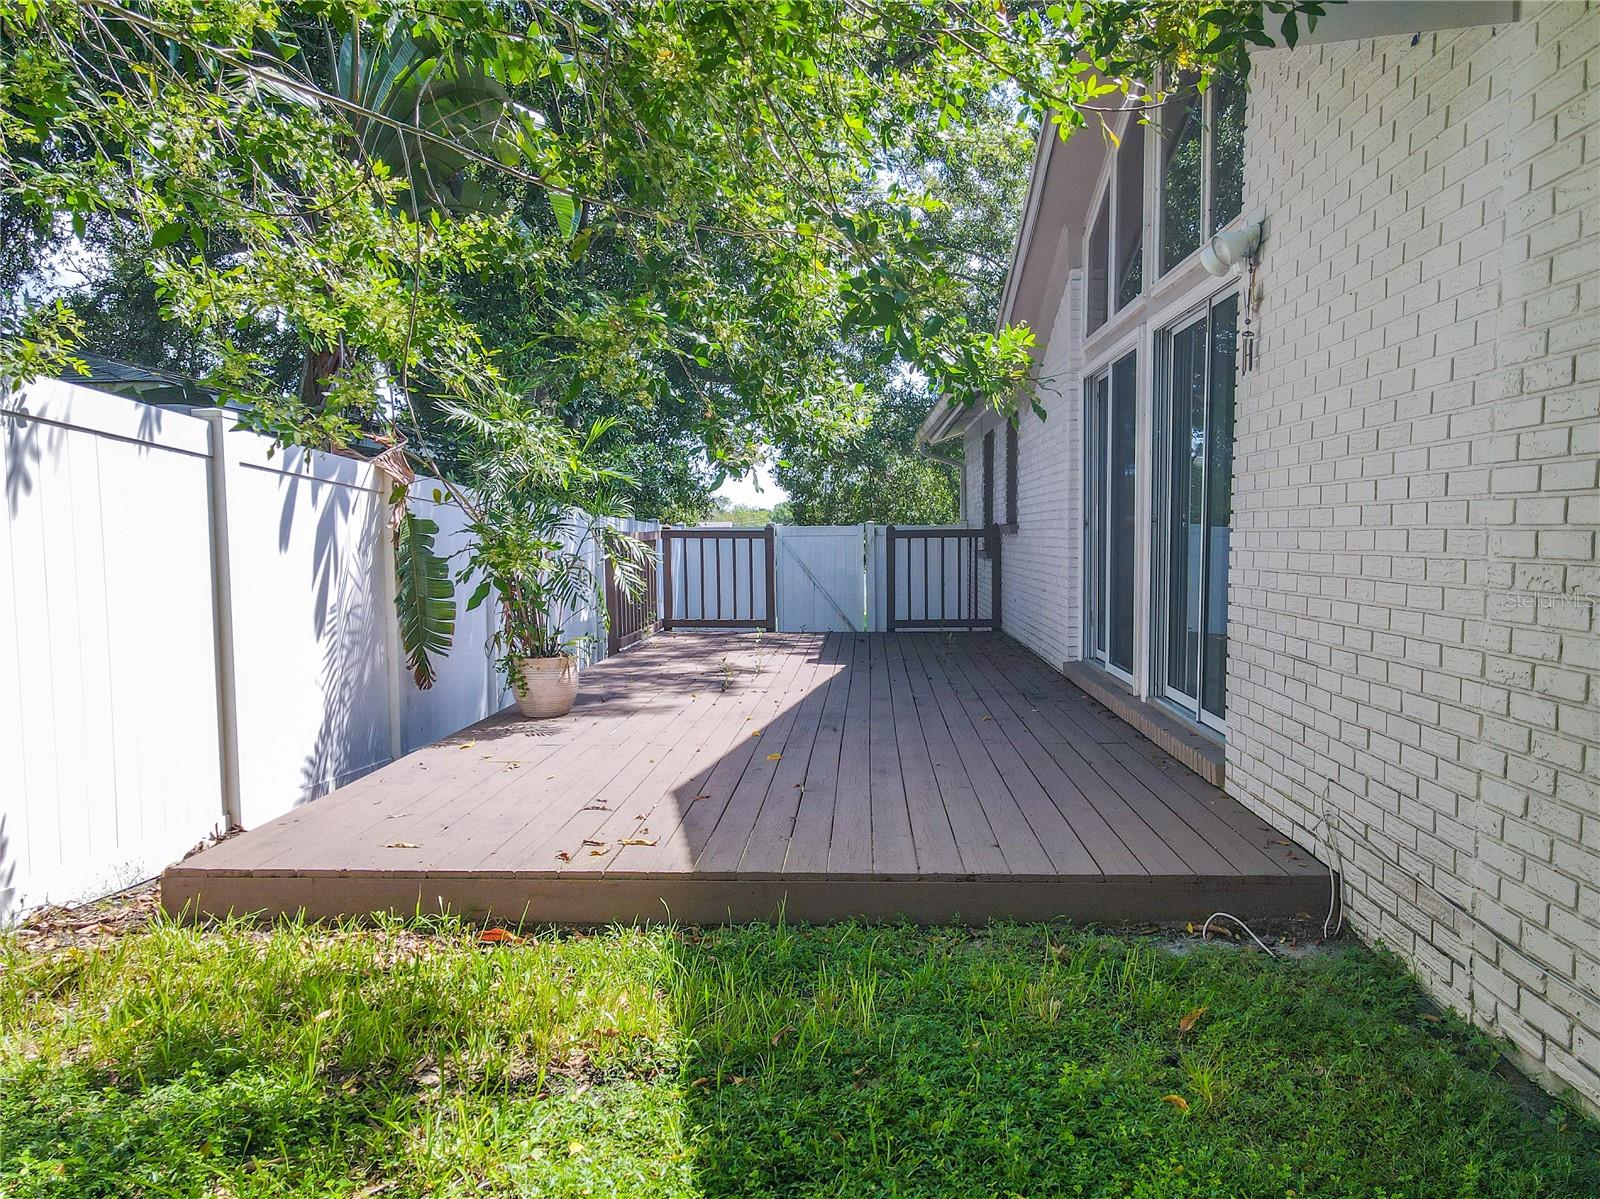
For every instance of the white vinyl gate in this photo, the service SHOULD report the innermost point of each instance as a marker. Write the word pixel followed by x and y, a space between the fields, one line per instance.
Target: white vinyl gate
pixel 821 578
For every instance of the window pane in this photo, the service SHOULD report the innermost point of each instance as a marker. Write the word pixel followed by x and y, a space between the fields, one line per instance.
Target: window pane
pixel 1122 494
pixel 1219 505
pixel 1130 216
pixel 1180 176
pixel 1095 461
pixel 1184 514
pixel 1227 152
pixel 1099 239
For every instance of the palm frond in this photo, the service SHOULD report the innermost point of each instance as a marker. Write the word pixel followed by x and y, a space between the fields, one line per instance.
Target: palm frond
pixel 424 597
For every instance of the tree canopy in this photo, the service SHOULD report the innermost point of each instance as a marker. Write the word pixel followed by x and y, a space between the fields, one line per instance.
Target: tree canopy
pixel 735 227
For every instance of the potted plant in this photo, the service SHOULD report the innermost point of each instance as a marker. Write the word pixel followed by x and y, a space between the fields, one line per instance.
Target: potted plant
pixel 540 508
pixel 539 559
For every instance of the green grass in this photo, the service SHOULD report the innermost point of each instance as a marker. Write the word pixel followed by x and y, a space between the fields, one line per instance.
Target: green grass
pixel 784 1061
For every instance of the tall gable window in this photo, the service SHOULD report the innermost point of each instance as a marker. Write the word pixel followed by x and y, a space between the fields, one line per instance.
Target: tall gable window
pixel 1202 165
pixel 1181 196
pixel 1099 269
pixel 1129 207
pixel 1115 251
pixel 1227 152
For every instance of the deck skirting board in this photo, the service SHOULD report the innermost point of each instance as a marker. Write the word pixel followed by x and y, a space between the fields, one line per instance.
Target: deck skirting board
pixel 691 900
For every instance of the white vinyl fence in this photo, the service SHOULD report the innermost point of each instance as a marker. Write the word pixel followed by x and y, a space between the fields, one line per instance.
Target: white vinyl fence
pixel 194 631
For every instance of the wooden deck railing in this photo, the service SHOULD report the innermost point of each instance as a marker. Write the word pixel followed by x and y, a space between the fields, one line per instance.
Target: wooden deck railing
pixel 631 619
pixel 934 578
pixel 718 579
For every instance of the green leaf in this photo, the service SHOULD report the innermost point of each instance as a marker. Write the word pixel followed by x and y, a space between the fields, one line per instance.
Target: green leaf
pixel 566 210
pixel 424 598
pixel 166 235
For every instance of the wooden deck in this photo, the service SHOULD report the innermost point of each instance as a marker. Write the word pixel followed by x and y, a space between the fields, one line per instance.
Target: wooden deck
pixel 704 777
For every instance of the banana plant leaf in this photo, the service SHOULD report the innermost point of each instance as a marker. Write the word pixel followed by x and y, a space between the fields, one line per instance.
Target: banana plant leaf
pixel 424 598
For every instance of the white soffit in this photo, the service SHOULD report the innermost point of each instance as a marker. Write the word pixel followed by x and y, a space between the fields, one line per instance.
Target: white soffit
pixel 1387 18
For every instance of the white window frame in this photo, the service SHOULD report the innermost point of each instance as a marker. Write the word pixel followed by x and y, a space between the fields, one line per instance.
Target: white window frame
pixel 1155 166
pixel 1191 710
pixel 1166 299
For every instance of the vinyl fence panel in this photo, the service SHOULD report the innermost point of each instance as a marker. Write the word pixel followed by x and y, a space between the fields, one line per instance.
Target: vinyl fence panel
pixel 109 755
pixel 194 630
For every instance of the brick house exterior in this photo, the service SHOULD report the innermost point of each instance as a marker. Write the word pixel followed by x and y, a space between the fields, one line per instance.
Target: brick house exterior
pixel 1412 643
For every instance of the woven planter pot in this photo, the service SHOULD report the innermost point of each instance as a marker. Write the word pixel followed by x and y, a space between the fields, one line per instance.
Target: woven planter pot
pixel 549 686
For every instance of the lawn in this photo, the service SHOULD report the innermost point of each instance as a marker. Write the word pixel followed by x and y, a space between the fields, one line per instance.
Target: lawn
pixel 1014 1061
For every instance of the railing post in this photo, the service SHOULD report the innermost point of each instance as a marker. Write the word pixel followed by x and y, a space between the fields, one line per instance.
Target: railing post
pixel 994 577
pixel 613 610
pixel 666 578
pixel 888 578
pixel 772 581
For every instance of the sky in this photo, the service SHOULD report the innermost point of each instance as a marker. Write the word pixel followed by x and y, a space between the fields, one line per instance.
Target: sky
pixel 743 491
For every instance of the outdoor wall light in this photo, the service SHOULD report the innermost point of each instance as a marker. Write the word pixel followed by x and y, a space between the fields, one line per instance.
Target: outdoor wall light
pixel 1227 252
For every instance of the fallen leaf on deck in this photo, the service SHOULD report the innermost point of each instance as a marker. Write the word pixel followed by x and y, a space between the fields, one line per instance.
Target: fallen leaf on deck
pixel 1191 1018
pixel 494 936
pixel 774 757
pixel 402 845
pixel 638 840
pixel 754 732
pixel 466 745
pixel 564 856
pixel 1177 1101
pixel 597 853
pixel 592 841
pixel 986 716
pixel 699 797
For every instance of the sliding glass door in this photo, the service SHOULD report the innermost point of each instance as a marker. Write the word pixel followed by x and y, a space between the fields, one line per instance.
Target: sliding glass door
pixel 1196 504
pixel 1110 420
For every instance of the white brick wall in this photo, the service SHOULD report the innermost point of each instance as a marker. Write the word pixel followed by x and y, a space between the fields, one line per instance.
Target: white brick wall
pixel 1415 644
pixel 1040 601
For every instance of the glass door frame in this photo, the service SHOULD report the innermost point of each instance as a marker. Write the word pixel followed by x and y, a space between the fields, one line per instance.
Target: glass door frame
pixel 1098 425
pixel 1191 708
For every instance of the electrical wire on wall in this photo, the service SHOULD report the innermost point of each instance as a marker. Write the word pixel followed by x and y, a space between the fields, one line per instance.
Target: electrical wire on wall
pixel 1328 823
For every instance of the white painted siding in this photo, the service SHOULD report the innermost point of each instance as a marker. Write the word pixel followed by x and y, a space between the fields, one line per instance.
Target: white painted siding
pixel 1412 613
pixel 1041 600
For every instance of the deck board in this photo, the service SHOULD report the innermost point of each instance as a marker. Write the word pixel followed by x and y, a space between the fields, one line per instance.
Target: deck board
pixel 704 777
